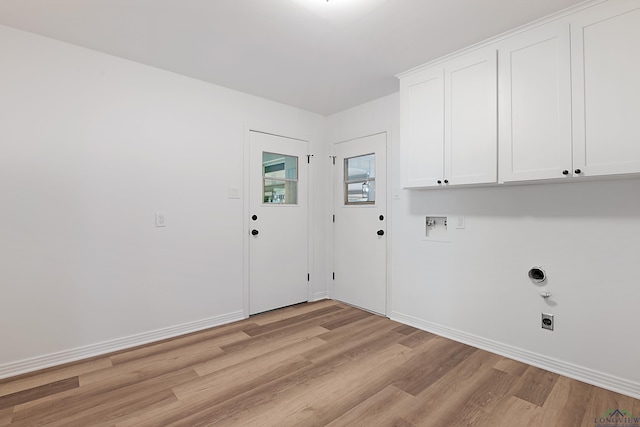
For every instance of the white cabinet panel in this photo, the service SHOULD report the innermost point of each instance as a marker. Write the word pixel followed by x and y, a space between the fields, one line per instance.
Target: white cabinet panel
pixel 422 132
pixel 449 123
pixel 471 140
pixel 535 104
pixel 606 89
pixel 568 105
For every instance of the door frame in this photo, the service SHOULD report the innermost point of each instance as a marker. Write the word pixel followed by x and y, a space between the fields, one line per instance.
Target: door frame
pixel 246 208
pixel 388 131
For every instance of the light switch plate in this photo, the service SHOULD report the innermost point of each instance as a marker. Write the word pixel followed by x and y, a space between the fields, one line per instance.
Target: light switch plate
pixel 160 219
pixel 234 192
pixel 460 222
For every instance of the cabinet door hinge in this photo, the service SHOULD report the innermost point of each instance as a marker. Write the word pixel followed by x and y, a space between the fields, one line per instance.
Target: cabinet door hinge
pixel 309 156
pixel 334 275
pixel 308 277
pixel 334 218
pixel 333 158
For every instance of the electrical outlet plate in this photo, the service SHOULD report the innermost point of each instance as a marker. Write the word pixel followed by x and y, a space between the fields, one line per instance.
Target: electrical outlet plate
pixel 547 321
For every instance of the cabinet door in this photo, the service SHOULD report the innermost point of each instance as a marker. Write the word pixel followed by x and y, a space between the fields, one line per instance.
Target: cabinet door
pixel 422 128
pixel 471 118
pixel 606 88
pixel 535 104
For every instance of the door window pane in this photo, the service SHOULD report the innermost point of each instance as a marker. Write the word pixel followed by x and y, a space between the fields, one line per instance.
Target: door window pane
pixel 361 167
pixel 360 180
pixel 361 192
pixel 281 192
pixel 279 179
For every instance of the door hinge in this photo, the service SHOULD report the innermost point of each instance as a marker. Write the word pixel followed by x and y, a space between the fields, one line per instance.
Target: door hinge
pixel 333 158
pixel 308 277
pixel 334 275
pixel 334 218
pixel 309 156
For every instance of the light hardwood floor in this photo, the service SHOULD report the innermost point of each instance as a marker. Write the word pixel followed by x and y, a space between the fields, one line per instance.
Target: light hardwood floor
pixel 317 364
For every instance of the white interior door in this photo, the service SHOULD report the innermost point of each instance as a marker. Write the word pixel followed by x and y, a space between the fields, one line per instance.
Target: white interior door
pixel 360 227
pixel 278 191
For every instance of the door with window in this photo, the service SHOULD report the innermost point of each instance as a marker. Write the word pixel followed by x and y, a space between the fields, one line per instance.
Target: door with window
pixel 278 222
pixel 360 223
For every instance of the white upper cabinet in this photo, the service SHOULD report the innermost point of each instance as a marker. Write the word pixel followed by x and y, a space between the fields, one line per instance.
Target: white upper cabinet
pixel 535 104
pixel 568 104
pixel 422 128
pixel 606 88
pixel 449 122
pixel 471 127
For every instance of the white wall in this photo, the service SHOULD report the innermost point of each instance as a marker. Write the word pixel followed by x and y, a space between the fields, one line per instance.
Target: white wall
pixel 476 289
pixel 90 147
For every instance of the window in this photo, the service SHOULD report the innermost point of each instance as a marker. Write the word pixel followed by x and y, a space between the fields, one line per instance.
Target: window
pixel 360 180
pixel 279 179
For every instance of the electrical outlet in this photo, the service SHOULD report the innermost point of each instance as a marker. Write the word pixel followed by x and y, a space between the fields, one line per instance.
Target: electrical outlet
pixel 547 321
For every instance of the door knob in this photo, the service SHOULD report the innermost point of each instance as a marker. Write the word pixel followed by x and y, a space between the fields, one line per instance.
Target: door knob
pixel 578 171
pixel 254 232
pixel 565 172
pixel 254 217
pixel 439 181
pixel 380 232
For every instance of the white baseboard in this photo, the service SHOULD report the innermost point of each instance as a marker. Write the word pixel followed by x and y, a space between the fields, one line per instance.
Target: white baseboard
pixel 589 376
pixel 92 350
pixel 320 295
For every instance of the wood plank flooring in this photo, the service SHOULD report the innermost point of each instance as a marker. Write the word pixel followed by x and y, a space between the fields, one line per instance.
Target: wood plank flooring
pixel 316 364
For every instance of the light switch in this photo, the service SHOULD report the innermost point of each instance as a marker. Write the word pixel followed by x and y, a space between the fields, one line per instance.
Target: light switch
pixel 234 192
pixel 460 223
pixel 160 219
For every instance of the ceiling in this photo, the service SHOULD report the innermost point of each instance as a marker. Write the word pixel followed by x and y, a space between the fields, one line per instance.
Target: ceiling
pixel 321 56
